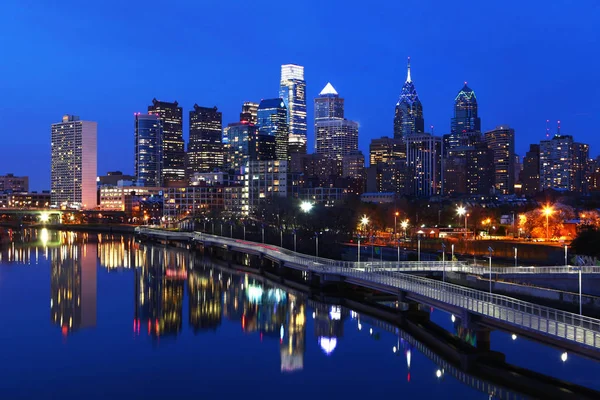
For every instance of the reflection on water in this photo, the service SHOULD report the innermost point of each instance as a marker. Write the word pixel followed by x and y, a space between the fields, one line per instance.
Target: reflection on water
pixel 224 303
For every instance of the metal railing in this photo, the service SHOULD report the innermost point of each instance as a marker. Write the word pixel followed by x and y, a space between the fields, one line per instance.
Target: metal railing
pixel 530 316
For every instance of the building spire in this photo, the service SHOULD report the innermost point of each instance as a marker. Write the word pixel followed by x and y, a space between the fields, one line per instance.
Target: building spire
pixel 408 73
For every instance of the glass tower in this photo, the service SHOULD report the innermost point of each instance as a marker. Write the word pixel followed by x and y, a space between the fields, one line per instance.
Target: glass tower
pixel 329 105
pixel 205 147
pixel 173 152
pixel 148 150
pixel 501 141
pixel 409 111
pixel 272 121
pixel 292 90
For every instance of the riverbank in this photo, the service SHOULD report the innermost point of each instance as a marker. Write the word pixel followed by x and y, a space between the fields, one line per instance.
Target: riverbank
pixel 93 228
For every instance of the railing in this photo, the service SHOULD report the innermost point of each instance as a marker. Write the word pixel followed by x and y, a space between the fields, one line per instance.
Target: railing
pixel 546 320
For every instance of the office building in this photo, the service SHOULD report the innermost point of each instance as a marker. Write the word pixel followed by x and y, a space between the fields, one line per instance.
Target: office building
pixel 173 166
pixel 243 143
pixel 502 143
pixel 272 121
pixel 24 200
pixel 201 200
pixel 74 163
pixel 205 147
pixel 408 118
pixel 353 165
pixel 148 150
pixel 113 178
pixel 249 113
pixel 335 136
pixel 14 183
pixel 563 164
pixel 266 179
pixel 386 149
pixel 423 157
pixel 530 174
pixel 292 90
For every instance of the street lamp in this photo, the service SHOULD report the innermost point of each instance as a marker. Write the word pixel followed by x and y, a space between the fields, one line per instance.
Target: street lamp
pixel 281 236
pixel 461 210
pixel 395 217
pixel 419 247
pixel 358 252
pixel 491 251
pixel 452 259
pixel 566 259
pixel 548 211
pixel 306 206
pixel 398 250
pixel 515 256
pixel 294 240
pixel 263 232
pixel 443 262
pixel 317 244
pixel 404 225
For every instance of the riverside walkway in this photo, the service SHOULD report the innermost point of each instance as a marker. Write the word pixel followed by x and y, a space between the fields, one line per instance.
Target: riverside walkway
pixel 546 324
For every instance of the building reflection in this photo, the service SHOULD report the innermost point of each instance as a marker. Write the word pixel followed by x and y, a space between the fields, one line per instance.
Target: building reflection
pixel 73 286
pixel 205 305
pixel 116 251
pixel 329 325
pixel 294 338
pixel 159 285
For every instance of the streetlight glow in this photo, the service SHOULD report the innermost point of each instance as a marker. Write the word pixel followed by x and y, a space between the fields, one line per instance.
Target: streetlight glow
pixel 461 210
pixel 306 206
pixel 364 220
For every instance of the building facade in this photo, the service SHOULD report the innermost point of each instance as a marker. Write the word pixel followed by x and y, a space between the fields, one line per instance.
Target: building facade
pixel 530 174
pixel 249 112
pixel 173 165
pixel 502 143
pixel 563 164
pixel 14 183
pixel 272 121
pixel 385 149
pixel 423 158
pixel 408 118
pixel 148 150
pixel 179 203
pixel 205 146
pixel 74 163
pixel 292 89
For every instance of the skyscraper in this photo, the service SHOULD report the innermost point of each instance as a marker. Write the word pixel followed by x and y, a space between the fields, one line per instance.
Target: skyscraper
pixel 292 89
pixel 465 126
pixel 423 156
pixel 335 136
pixel 173 153
pixel 249 112
pixel 386 150
pixel 502 142
pixel 243 144
pixel 408 118
pixel 563 164
pixel 205 146
pixel 530 174
pixel 272 121
pixel 148 150
pixel 73 166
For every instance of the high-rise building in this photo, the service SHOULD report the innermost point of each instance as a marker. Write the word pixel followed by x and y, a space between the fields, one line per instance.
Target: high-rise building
pixel 74 163
pixel 563 164
pixel 465 118
pixel 243 143
pixel 249 112
pixel 173 153
pixel 272 121
pixel 335 136
pixel 292 89
pixel 385 149
pixel 353 165
pixel 14 183
pixel 205 146
pixel 502 142
pixel 148 150
pixel 408 118
pixel 423 156
pixel 530 174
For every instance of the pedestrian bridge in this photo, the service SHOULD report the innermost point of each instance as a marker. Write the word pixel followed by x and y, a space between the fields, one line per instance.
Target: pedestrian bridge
pixel 546 324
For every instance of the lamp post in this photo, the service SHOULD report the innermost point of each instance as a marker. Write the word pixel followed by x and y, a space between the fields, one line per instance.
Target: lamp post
pixel 491 251
pixel 317 244
pixel 294 240
pixel 281 236
pixel 461 210
pixel 452 247
pixel 231 229
pixel 515 256
pixel 547 210
pixel 443 262
pixel 566 259
pixel 419 248
pixel 580 268
pixel 358 251
pixel 404 225
pixel 244 225
pixel 263 232
pixel 221 229
pixel 395 217
pixel 398 250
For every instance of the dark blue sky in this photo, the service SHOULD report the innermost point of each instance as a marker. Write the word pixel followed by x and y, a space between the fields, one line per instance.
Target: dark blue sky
pixel 527 61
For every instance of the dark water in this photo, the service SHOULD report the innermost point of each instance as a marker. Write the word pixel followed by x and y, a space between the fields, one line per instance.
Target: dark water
pixel 96 316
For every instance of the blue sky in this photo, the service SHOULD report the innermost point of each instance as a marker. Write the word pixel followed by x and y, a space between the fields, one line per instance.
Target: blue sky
pixel 527 61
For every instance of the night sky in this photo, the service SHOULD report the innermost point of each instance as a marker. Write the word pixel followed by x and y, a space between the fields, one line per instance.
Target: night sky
pixel 528 61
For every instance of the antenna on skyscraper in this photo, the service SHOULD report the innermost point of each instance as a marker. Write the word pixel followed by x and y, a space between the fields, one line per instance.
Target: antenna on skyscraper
pixel 547 129
pixel 432 130
pixel 558 127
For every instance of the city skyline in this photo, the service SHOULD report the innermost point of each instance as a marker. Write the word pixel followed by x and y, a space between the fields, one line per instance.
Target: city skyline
pixel 514 85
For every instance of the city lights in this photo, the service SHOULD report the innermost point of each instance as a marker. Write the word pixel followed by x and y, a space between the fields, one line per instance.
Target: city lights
pixel 306 206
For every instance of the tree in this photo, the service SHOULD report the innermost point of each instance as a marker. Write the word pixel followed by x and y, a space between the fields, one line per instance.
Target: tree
pixel 533 223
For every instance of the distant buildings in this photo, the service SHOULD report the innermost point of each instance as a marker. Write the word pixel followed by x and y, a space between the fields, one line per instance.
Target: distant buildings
pixel 292 89
pixel 148 150
pixel 502 143
pixel 408 118
pixel 423 157
pixel 249 113
pixel 205 147
pixel 272 121
pixel 73 163
pixel 530 174
pixel 563 164
pixel 173 164
pixel 113 178
pixel 14 183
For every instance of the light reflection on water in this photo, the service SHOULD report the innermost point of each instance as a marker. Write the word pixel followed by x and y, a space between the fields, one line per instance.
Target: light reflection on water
pixel 120 306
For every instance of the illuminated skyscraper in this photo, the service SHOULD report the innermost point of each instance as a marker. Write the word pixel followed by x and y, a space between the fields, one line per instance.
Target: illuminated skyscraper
pixel 148 150
pixel 465 118
pixel 423 155
pixel 205 147
pixel 249 112
pixel 272 121
pixel 530 174
pixel 501 141
pixel 73 167
pixel 292 90
pixel 335 136
pixel 563 164
pixel 173 168
pixel 408 118
pixel 243 143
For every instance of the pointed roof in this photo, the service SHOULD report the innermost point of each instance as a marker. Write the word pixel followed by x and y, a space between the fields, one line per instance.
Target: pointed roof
pixel 328 89
pixel 466 93
pixel 408 72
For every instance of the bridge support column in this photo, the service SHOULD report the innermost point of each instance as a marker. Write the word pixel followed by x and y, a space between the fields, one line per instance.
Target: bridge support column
pixel 483 338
